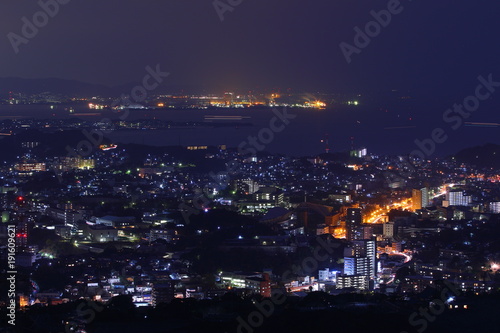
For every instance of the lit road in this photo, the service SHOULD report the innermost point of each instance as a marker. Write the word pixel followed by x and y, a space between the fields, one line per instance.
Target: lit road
pixel 377 215
pixel 406 204
pixel 442 190
pixel 407 257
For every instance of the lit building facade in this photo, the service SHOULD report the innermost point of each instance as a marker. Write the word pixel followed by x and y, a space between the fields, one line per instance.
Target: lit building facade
pixel 420 198
pixel 458 198
pixel 495 207
pixel 359 282
pixel 353 223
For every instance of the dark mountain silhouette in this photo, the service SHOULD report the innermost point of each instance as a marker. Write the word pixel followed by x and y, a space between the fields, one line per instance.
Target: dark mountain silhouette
pixel 81 89
pixel 53 85
pixel 485 156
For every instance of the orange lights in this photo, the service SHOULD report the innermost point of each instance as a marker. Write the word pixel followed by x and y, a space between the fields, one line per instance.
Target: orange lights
pixel 377 216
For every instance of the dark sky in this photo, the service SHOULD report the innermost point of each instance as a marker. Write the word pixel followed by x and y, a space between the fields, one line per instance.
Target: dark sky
pixel 431 45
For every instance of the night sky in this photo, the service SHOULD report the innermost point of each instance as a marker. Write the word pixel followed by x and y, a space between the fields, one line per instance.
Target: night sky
pixel 431 46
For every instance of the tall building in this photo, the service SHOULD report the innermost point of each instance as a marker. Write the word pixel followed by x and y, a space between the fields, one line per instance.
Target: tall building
pixel 420 198
pixel 356 266
pixel 367 232
pixel 388 230
pixel 495 207
pixel 360 261
pixel 458 198
pixel 426 199
pixel 22 234
pixel 353 224
pixel 367 248
pixel 416 199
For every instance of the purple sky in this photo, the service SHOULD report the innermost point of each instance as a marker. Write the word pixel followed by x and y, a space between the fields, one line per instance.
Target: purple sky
pixel 429 45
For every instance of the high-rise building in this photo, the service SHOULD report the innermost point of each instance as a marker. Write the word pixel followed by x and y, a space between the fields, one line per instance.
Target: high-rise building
pixel 416 199
pixel 367 248
pixel 353 223
pixel 458 198
pixel 360 261
pixel 425 197
pixel 367 232
pixel 420 198
pixel 388 230
pixel 495 207
pixel 356 266
pixel 22 234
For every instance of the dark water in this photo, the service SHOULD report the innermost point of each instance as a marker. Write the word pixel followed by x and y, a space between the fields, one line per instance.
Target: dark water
pixel 390 129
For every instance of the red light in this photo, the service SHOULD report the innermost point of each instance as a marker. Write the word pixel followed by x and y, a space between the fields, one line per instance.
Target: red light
pixel 20 198
pixel 18 235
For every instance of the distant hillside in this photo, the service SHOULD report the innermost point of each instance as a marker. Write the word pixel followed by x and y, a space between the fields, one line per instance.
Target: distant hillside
pixel 57 86
pixel 56 144
pixel 486 156
pixel 81 89
pixel 51 144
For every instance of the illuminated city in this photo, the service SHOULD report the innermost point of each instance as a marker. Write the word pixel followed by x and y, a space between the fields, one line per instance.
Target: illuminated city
pixel 236 166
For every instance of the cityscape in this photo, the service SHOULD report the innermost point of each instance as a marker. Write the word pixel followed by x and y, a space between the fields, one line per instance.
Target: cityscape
pixel 164 174
pixel 154 229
